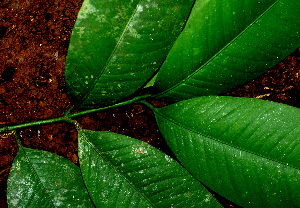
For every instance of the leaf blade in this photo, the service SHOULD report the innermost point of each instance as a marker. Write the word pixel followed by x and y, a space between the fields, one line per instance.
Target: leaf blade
pixel 226 44
pixel 238 146
pixel 40 178
pixel 116 46
pixel 149 177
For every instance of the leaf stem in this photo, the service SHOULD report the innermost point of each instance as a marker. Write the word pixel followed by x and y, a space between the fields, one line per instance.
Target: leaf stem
pixel 136 99
pixel 18 141
pixel 148 105
pixel 67 116
pixel 34 123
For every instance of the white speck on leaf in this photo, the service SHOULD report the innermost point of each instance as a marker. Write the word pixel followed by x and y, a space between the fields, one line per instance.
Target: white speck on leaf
pixel 86 9
pixel 101 18
pixel 133 32
pixel 140 150
pixel 14 202
pixel 168 158
pixel 80 31
pixel 208 198
pixel 139 8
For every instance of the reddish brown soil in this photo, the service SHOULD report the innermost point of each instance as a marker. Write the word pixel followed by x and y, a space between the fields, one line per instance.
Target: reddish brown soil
pixel 34 38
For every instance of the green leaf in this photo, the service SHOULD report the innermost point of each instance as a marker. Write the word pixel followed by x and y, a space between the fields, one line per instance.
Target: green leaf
pixel 116 46
pixel 43 179
pixel 245 149
pixel 120 171
pixel 226 44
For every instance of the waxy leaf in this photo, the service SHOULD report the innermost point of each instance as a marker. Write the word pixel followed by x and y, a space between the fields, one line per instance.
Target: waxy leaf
pixel 120 171
pixel 43 179
pixel 226 44
pixel 247 150
pixel 116 46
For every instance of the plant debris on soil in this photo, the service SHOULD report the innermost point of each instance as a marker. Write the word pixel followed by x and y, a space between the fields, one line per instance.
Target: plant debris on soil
pixel 34 39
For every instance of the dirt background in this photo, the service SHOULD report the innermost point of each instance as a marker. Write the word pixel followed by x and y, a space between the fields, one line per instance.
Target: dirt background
pixel 34 38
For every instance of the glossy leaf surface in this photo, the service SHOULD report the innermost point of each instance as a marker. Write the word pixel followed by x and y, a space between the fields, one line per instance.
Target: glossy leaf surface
pixel 228 43
pixel 43 179
pixel 120 171
pixel 116 46
pixel 247 150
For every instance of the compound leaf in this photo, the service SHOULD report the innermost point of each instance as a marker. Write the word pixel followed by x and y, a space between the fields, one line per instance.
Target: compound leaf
pixel 226 44
pixel 245 149
pixel 120 171
pixel 43 179
pixel 116 46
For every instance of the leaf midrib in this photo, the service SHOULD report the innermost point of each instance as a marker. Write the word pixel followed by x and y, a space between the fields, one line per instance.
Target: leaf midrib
pixel 219 52
pixel 116 170
pixel 38 177
pixel 111 55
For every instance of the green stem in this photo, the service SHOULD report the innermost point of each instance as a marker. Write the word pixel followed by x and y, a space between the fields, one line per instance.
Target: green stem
pixel 136 99
pixel 30 124
pixel 18 141
pixel 67 116
pixel 148 105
